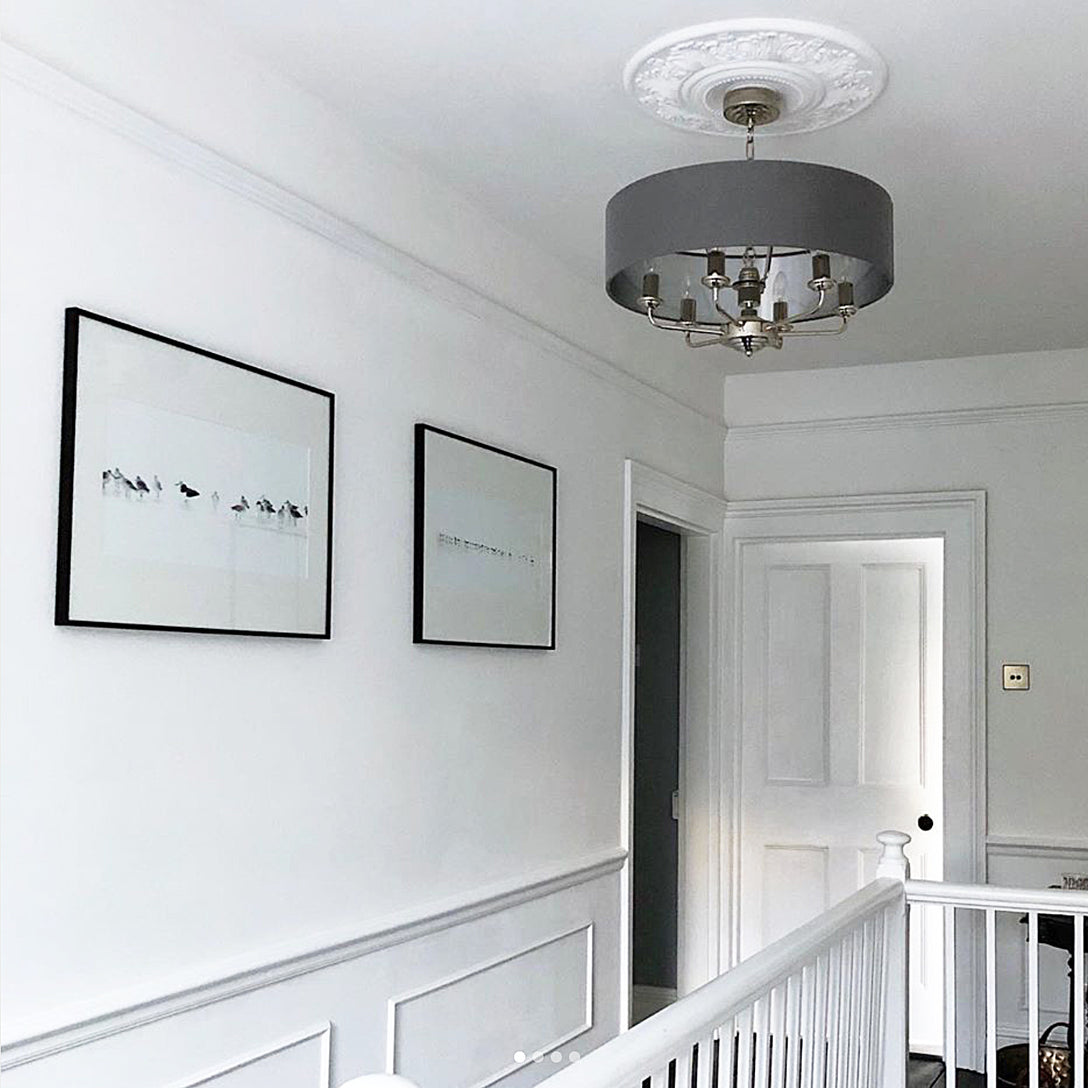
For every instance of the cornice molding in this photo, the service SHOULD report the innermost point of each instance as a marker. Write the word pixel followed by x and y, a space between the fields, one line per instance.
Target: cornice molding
pixel 28 71
pixel 951 417
pixel 77 1026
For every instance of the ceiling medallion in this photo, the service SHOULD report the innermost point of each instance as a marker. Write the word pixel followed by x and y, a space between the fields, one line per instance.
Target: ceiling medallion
pixel 823 75
pixel 746 254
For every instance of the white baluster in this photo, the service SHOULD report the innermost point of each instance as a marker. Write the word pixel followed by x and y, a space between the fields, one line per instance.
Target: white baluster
pixel 762 1041
pixel 727 1054
pixel 877 1029
pixel 794 996
pixel 704 1064
pixel 991 1001
pixel 865 1001
pixel 851 1033
pixel 683 1068
pixel 1077 1027
pixel 950 996
pixel 1033 999
pixel 779 996
pixel 808 1022
pixel 744 1049
pixel 823 1021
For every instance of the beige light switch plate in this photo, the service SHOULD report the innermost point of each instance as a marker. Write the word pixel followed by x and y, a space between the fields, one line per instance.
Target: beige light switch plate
pixel 1016 677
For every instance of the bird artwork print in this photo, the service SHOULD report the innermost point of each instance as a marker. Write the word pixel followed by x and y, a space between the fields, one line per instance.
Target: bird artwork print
pixel 286 515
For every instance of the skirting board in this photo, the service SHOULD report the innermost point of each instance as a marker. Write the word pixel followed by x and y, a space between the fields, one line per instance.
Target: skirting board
pixel 73 1027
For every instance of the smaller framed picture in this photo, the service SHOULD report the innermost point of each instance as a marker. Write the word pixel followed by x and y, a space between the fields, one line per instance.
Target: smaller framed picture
pixel 195 490
pixel 484 544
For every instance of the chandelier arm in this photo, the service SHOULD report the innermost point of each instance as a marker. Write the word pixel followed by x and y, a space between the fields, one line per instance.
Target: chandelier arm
pixel 819 332
pixel 703 343
pixel 669 325
pixel 716 292
pixel 811 310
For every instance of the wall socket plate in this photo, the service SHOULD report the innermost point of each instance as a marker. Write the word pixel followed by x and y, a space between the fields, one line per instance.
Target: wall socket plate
pixel 1015 677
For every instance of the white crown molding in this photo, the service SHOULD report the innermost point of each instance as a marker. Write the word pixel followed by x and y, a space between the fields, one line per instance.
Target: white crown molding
pixel 72 1027
pixel 951 417
pixel 28 71
pixel 972 501
pixel 1021 847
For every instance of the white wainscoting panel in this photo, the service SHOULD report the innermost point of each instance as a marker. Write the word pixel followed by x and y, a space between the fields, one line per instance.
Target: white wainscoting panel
pixel 297 1061
pixel 530 1004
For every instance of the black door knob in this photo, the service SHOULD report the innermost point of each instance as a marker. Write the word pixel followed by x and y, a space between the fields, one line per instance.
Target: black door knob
pixel 925 823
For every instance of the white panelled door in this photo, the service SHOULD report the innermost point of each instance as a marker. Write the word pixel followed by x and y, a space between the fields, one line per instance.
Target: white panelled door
pixel 840 734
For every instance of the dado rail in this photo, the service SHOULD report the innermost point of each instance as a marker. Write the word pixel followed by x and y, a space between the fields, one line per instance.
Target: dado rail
pixel 826 1006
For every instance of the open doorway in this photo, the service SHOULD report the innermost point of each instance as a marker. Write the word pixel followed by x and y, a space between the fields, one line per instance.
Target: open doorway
pixel 691 522
pixel 658 686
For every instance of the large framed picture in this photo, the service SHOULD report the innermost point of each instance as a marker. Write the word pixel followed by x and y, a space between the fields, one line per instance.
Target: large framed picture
pixel 195 490
pixel 484 544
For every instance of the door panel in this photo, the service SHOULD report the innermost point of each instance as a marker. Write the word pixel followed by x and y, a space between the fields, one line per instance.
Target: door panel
pixel 840 733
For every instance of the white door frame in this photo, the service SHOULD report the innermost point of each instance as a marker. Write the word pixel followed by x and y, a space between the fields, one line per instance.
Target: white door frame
pixel 959 517
pixel 697 516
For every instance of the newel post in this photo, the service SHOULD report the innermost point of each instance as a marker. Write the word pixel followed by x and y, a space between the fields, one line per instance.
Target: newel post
pixel 893 863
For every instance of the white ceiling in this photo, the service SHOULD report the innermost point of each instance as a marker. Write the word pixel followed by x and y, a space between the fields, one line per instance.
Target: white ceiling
pixel 980 137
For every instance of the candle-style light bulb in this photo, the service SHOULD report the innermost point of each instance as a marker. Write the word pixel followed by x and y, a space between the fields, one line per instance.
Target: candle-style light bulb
pixel 781 307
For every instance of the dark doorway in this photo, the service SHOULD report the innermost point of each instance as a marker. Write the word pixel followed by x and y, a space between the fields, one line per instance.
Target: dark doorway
pixel 657 769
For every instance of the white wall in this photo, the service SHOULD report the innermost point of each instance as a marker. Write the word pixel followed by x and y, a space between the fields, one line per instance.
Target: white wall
pixel 181 808
pixel 969 423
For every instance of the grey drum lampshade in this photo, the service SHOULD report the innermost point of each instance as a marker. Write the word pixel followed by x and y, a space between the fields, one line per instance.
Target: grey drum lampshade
pixel 665 223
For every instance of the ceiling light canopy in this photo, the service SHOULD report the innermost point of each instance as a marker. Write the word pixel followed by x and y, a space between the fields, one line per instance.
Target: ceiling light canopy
pixel 750 252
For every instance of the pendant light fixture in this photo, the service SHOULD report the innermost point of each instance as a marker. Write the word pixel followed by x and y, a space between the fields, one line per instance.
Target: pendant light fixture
pixel 749 252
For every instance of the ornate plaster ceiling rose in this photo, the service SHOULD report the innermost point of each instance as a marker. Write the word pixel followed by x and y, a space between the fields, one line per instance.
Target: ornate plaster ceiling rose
pixel 823 74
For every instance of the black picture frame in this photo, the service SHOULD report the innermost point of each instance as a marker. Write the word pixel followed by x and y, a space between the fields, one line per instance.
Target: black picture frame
pixel 420 573
pixel 67 529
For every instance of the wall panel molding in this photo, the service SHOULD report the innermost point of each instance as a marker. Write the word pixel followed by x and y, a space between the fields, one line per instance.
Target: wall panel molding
pixel 321 1032
pixel 1015 846
pixel 950 417
pixel 74 1027
pixel 394 1065
pixel 35 75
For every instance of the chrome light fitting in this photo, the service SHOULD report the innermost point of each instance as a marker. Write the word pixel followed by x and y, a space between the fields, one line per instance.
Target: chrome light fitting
pixel 799 247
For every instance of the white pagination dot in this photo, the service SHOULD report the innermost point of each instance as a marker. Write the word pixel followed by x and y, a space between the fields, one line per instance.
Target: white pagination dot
pixel 519 1056
pixel 538 1056
pixel 556 1057
pixel 573 1056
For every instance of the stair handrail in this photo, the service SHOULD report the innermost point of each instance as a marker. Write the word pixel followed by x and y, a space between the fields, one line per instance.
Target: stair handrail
pixel 626 1059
